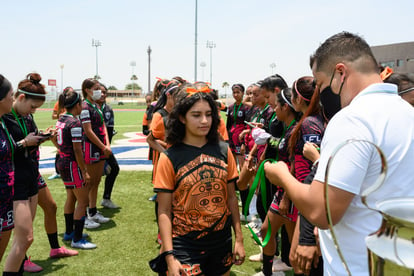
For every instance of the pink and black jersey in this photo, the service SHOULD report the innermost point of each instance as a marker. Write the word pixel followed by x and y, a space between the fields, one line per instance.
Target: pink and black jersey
pixel 69 130
pixel 91 114
pixel 236 115
pixel 6 164
pixel 312 130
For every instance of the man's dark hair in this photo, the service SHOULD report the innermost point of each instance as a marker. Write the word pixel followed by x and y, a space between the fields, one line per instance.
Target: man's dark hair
pixel 344 47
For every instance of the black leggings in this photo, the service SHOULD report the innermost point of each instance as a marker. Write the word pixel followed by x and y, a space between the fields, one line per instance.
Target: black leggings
pixel 110 178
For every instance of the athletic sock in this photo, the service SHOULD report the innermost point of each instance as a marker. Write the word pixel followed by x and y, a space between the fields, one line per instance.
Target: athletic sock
pixel 69 223
pixel 92 211
pixel 267 265
pixel 53 240
pixel 79 224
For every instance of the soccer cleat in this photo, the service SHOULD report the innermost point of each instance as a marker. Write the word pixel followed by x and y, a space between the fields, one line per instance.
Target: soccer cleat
pixel 90 224
pixel 69 237
pixel 153 198
pixel 54 176
pixel 83 244
pixel 279 265
pixel 99 218
pixel 62 252
pixel 256 258
pixel 109 204
pixel 31 267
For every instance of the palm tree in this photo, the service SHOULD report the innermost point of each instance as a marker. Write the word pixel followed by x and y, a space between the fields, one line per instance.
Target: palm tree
pixel 225 85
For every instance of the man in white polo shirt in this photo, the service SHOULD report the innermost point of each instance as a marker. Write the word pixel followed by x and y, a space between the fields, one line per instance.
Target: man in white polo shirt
pixel 371 111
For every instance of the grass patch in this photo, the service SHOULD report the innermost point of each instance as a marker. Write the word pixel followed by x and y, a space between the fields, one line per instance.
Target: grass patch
pixel 125 244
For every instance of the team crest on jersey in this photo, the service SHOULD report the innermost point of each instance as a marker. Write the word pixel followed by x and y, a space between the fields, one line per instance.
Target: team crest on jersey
pixel 240 114
pixel 312 138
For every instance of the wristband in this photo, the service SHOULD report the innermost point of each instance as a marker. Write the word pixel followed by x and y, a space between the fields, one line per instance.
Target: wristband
pixel 168 252
pixel 19 145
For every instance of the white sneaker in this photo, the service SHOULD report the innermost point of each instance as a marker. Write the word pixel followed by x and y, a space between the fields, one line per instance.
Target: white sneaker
pixel 256 258
pixel 90 224
pixel 54 176
pixel 83 244
pixel 279 265
pixel 248 218
pixel 273 274
pixel 109 204
pixel 99 218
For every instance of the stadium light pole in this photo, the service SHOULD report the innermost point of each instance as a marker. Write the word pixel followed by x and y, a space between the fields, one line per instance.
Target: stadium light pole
pixel 96 43
pixel 273 66
pixel 149 69
pixel 211 45
pixel 195 42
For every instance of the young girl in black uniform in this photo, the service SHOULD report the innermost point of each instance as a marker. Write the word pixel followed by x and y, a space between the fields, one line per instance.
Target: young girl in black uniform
pixel 72 169
pixel 29 96
pixel 195 183
pixel 6 167
pixel 96 146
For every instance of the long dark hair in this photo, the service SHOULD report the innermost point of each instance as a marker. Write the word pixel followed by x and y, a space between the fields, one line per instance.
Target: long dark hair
pixel 167 88
pixel 284 97
pixel 184 101
pixel 88 84
pixel 305 86
pixel 69 98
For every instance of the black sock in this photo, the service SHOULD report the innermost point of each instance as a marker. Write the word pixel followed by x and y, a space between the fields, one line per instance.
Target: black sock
pixel 243 197
pixel 299 274
pixel 21 270
pixel 53 240
pixel 5 273
pixel 92 211
pixel 267 265
pixel 69 223
pixel 79 224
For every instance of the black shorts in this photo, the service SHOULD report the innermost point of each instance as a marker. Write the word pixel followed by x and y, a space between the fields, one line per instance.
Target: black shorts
pixel 206 258
pixel 25 184
pixel 206 262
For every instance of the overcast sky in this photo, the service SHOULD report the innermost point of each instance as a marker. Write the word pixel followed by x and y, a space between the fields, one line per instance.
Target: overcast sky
pixel 249 36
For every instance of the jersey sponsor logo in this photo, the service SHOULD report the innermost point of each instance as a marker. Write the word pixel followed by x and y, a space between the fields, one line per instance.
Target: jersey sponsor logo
pixel 312 138
pixel 85 114
pixel 76 132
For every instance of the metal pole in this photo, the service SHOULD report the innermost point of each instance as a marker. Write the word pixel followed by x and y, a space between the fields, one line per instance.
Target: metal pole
pixel 96 43
pixel 61 77
pixel 195 43
pixel 211 45
pixel 149 68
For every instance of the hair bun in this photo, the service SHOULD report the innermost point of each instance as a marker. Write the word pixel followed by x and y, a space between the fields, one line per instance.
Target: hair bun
pixel 34 78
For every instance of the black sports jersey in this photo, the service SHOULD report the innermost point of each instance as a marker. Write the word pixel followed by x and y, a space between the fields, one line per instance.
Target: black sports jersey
pixel 69 130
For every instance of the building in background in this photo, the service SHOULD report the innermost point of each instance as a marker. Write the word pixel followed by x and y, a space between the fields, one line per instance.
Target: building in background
pixel 398 56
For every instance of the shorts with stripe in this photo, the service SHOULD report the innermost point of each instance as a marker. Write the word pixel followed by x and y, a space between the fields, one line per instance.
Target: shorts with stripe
pixel 41 183
pixel 70 174
pixel 292 214
pixel 93 154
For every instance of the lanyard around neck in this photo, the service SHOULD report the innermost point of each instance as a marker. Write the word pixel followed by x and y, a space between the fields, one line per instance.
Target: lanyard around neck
pixel 97 110
pixel 236 112
pixel 285 129
pixel 21 124
pixel 10 139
